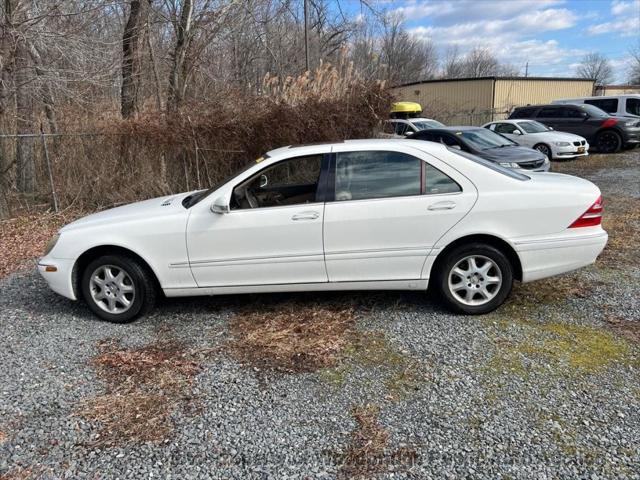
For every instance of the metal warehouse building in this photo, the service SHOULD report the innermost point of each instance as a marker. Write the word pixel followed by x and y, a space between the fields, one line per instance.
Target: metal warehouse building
pixel 473 101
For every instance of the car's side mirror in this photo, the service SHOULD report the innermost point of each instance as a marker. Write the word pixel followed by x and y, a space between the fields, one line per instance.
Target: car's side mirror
pixel 457 147
pixel 516 132
pixel 220 206
pixel 550 128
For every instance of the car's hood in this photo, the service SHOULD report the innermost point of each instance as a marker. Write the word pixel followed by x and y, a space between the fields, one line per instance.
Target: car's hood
pixel 555 136
pixel 138 210
pixel 512 154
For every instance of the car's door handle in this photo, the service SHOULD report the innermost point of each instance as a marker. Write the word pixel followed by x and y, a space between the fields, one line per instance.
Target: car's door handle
pixel 305 216
pixel 442 206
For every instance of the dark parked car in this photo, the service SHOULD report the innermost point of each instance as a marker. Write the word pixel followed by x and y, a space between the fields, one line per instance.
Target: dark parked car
pixel 488 145
pixel 604 132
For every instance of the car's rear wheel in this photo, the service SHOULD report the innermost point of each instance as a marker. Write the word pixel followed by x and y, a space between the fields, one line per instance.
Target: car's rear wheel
pixel 608 141
pixel 474 279
pixel 118 288
pixel 544 149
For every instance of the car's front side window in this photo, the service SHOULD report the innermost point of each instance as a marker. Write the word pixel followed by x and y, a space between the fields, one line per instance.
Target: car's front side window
pixel 290 182
pixel 376 174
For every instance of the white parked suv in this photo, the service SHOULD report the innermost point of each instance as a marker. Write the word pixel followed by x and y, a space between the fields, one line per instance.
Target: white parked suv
pixel 354 215
pixel 617 105
pixel 529 133
pixel 400 128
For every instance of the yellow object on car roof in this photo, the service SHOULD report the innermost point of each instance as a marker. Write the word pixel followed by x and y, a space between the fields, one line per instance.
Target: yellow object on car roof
pixel 406 107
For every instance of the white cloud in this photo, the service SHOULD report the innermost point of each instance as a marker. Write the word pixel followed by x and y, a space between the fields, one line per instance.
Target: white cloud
pixel 626 21
pixel 461 11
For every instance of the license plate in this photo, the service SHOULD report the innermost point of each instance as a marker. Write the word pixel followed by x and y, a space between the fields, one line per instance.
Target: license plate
pixel 580 149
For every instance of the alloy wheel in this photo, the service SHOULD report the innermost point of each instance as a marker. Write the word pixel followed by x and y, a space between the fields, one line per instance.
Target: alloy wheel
pixel 112 289
pixel 475 280
pixel 544 150
pixel 608 142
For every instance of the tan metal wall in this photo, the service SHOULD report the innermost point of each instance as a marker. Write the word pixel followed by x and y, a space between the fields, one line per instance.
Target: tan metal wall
pixel 618 89
pixel 456 102
pixel 515 93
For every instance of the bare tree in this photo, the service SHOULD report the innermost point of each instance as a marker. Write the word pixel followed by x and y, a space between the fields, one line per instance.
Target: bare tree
pixel 634 69
pixel 405 57
pixel 131 57
pixel 453 64
pixel 597 67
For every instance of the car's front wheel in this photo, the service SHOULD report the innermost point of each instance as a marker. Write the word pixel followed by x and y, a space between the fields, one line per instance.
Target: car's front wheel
pixel 544 149
pixel 474 279
pixel 118 288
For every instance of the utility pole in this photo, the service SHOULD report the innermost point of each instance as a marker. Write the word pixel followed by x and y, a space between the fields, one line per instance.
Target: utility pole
pixel 306 35
pixel 526 69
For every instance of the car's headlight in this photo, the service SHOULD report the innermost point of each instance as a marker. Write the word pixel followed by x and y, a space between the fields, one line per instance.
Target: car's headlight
pixel 51 244
pixel 510 165
pixel 562 144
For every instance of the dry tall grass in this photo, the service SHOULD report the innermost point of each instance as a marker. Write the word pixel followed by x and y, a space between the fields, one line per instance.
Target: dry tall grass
pixel 205 142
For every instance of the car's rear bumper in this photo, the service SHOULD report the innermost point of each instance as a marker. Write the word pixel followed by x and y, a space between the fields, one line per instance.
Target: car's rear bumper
pixel 545 257
pixel 59 275
pixel 631 136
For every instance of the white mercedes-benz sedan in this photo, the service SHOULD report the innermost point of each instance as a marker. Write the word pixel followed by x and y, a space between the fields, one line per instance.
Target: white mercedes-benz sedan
pixel 354 215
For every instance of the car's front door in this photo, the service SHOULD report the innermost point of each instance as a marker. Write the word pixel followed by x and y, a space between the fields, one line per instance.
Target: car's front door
pixel 389 209
pixel 272 233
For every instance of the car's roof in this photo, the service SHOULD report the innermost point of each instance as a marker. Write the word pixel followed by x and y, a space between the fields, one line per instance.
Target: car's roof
pixel 598 97
pixel 454 129
pixel 559 105
pixel 371 143
pixel 511 120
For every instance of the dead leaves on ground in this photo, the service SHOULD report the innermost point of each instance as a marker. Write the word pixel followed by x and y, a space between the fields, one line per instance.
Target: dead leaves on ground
pixel 291 337
pixel 24 238
pixel 144 387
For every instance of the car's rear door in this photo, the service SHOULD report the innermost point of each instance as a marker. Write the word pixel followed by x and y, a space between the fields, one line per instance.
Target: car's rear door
pixel 387 209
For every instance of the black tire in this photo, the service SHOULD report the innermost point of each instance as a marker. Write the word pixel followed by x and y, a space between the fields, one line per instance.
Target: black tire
pixel 140 279
pixel 545 149
pixel 445 267
pixel 608 141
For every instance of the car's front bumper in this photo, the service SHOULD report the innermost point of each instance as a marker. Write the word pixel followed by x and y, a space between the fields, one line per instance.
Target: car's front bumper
pixel 631 135
pixel 570 152
pixel 59 275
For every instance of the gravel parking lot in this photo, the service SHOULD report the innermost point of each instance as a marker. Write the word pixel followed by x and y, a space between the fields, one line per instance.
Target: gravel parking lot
pixel 358 385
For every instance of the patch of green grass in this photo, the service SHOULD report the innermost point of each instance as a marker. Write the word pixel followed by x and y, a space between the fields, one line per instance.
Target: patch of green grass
pixel 372 351
pixel 565 348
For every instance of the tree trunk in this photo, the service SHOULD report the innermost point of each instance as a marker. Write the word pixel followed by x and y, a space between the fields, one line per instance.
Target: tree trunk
pixel 47 92
pixel 25 124
pixel 177 77
pixel 131 58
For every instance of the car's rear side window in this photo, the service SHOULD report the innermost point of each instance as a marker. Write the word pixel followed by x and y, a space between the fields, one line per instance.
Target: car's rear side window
pixel 633 106
pixel 522 113
pixel 437 182
pixel 609 105
pixel 376 174
pixel 551 112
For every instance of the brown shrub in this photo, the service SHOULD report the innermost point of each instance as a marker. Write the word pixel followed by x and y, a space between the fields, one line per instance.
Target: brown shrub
pixel 205 142
pixel 291 337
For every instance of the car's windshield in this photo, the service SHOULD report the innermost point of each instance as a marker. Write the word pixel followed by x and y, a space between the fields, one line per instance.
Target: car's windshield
pixel 425 124
pixel 509 172
pixel 533 127
pixel 483 139
pixel 190 200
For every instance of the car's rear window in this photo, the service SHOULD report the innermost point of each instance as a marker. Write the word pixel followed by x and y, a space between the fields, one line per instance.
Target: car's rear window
pixel 491 165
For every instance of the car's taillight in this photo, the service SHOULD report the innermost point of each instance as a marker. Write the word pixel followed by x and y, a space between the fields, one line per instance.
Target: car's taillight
pixel 590 218
pixel 609 122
